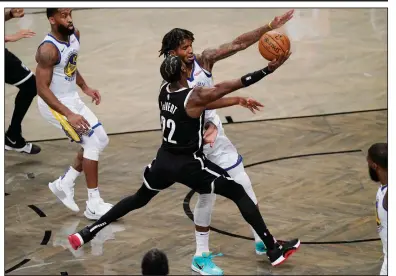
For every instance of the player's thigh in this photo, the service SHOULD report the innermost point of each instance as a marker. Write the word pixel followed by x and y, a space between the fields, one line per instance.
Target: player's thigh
pixel 16 72
pixel 60 122
pixel 50 116
pixel 200 174
pixel 88 114
pixel 225 154
pixel 155 177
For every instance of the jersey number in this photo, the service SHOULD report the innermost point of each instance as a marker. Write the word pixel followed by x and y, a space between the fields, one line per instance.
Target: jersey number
pixel 169 124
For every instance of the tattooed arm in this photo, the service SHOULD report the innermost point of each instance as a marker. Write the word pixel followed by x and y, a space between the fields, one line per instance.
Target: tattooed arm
pixel 210 56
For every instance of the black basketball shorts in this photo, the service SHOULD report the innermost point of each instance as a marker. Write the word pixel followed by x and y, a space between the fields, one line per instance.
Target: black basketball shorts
pixel 192 170
pixel 16 72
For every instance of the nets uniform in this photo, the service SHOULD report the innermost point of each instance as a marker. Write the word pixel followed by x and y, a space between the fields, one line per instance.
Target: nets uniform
pixel 16 72
pixel 180 157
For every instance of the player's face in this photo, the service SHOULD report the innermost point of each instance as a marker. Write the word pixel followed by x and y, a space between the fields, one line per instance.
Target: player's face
pixel 185 51
pixel 373 170
pixel 63 21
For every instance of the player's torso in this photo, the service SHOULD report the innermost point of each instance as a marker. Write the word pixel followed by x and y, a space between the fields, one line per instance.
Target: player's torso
pixel 381 213
pixel 63 82
pixel 181 133
pixel 199 77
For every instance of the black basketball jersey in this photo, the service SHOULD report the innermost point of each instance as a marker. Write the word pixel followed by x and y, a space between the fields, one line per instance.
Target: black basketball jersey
pixel 181 133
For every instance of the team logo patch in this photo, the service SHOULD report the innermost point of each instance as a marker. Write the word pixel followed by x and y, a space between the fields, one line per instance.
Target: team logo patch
pixel 71 66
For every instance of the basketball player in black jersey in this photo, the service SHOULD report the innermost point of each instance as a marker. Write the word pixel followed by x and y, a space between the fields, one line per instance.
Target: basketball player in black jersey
pixel 20 76
pixel 180 157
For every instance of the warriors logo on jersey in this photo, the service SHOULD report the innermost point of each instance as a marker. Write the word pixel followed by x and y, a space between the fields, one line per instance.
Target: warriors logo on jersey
pixel 71 66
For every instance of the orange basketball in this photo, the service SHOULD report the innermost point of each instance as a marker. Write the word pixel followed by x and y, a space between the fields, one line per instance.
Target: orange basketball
pixel 272 44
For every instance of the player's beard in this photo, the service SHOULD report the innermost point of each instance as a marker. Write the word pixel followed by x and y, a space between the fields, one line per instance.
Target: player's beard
pixel 65 30
pixel 373 175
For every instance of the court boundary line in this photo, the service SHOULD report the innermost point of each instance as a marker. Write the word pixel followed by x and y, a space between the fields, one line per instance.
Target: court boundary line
pixel 233 123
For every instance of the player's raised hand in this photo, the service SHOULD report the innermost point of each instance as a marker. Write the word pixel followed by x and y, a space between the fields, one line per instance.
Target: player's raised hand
pixel 19 35
pixel 276 63
pixel 251 104
pixel 279 21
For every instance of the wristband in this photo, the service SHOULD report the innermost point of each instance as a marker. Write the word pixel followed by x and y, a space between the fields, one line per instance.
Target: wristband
pixel 254 77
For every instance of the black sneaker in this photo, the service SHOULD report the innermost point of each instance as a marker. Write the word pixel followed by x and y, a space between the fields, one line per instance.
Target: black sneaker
pixel 283 250
pixel 80 238
pixel 19 144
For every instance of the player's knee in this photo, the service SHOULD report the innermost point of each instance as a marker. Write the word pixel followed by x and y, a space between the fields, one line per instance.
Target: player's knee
pixel 28 88
pixel 203 209
pixel 228 188
pixel 95 144
pixel 243 179
pixel 144 195
pixel 102 136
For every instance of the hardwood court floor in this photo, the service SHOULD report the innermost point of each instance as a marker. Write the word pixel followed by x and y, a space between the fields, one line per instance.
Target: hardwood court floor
pixel 316 198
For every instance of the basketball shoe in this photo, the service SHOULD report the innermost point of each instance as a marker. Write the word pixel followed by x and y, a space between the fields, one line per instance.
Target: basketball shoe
pixel 282 251
pixel 260 248
pixel 205 266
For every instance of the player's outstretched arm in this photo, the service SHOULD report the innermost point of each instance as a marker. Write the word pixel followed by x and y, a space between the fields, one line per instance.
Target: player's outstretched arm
pixel 47 56
pixel 201 97
pixel 248 103
pixel 210 56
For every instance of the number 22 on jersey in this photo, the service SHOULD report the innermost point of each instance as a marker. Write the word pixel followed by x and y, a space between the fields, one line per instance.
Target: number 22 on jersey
pixel 168 124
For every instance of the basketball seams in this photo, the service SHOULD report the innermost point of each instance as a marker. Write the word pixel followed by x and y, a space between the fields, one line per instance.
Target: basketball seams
pixel 276 42
pixel 269 52
pixel 268 49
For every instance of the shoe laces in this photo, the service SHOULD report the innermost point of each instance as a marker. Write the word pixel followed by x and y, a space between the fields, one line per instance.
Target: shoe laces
pixel 208 256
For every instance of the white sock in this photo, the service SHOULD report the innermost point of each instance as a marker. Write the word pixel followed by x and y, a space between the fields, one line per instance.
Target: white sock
pixel 202 239
pixel 70 176
pixel 93 193
pixel 256 237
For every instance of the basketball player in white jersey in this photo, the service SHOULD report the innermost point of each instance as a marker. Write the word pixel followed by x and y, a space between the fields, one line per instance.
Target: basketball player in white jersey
pixel 377 159
pixel 60 104
pixel 218 148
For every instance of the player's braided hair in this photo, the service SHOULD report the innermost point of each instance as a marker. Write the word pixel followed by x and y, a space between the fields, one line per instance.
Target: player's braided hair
pixel 171 69
pixel 173 39
pixel 378 153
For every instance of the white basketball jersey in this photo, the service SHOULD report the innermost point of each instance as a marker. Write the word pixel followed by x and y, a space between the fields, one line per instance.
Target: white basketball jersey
pixel 382 217
pixel 63 83
pixel 201 77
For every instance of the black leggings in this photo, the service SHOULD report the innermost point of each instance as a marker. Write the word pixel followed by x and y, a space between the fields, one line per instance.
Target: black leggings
pixel 222 186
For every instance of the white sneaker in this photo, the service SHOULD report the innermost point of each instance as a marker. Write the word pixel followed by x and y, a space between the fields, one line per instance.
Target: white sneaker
pixel 96 208
pixel 65 193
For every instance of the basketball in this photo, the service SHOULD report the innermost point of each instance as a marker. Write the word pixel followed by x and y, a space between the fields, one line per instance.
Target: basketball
pixel 272 44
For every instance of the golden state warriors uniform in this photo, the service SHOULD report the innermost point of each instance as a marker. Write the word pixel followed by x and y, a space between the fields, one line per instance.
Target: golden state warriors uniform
pixel 63 83
pixel 223 153
pixel 382 225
